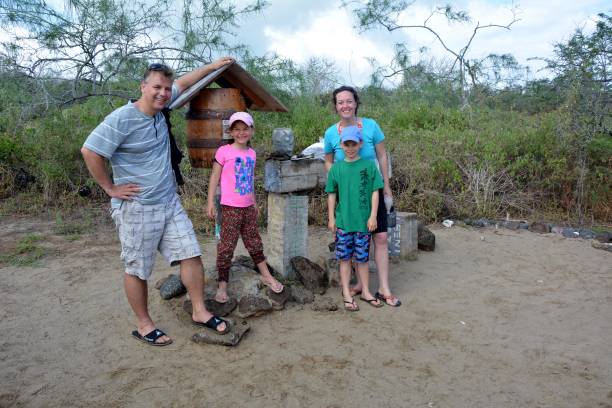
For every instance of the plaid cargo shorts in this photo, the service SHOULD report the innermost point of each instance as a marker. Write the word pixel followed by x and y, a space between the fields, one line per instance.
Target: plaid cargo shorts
pixel 146 229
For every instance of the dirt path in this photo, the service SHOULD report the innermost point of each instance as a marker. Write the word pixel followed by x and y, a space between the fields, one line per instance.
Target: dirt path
pixel 514 320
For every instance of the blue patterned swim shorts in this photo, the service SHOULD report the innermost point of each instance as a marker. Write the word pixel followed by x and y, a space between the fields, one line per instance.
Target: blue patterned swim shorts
pixel 354 245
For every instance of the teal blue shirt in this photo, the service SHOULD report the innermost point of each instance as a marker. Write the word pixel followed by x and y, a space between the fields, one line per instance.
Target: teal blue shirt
pixel 372 135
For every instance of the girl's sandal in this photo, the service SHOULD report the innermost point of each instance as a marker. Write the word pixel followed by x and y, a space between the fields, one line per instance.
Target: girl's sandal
pixel 388 299
pixel 275 287
pixel 351 306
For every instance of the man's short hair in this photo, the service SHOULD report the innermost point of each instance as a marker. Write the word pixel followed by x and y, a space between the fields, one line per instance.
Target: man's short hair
pixel 158 67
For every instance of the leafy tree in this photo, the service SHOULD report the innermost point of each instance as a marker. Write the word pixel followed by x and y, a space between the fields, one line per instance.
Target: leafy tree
pixel 92 44
pixel 582 68
pixel 372 14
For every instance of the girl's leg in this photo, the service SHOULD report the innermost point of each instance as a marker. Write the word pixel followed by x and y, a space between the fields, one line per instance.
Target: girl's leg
pixel 230 230
pixel 252 242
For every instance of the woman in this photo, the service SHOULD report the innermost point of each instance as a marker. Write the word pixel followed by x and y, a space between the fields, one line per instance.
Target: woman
pixel 346 103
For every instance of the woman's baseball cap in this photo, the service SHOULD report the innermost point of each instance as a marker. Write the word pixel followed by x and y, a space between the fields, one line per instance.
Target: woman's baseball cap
pixel 242 117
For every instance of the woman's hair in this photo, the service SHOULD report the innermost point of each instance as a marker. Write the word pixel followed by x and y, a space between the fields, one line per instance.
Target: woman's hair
pixel 349 89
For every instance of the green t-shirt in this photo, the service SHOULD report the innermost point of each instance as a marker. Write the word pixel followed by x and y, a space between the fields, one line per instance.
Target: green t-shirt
pixel 353 183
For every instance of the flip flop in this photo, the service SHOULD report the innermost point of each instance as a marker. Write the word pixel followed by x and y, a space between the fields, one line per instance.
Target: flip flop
pixel 279 288
pixel 212 324
pixel 395 302
pixel 374 302
pixel 353 307
pixel 151 338
pixel 219 302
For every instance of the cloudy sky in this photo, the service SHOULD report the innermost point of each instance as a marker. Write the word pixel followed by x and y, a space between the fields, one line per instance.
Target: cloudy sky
pixel 300 29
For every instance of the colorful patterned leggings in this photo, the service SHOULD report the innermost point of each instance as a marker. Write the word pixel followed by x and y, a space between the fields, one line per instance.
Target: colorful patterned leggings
pixel 235 222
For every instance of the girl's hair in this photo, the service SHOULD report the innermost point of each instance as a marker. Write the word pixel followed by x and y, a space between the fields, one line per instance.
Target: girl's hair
pixel 349 89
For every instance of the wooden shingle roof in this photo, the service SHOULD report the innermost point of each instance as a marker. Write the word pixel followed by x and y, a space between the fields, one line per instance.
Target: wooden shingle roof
pixel 234 76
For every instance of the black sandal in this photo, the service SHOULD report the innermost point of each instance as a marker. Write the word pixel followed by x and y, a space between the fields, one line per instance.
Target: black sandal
pixel 212 324
pixel 374 302
pixel 354 307
pixel 151 338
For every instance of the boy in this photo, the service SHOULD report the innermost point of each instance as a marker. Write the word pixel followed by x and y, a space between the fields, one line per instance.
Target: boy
pixel 353 184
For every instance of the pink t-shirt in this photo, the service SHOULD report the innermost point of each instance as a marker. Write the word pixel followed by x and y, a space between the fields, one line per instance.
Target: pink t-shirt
pixel 237 175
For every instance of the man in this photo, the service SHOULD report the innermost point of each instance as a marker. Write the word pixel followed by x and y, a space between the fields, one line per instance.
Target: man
pixel 145 206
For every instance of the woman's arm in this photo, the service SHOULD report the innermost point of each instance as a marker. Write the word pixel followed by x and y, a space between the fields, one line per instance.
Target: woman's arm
pixel 383 162
pixel 329 160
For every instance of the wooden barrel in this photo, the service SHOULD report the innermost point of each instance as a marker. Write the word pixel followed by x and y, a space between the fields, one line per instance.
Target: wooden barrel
pixel 207 123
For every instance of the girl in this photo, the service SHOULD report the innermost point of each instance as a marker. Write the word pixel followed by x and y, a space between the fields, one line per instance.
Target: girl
pixel 234 167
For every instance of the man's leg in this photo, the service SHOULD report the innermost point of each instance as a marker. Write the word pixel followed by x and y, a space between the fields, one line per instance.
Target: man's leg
pixel 136 292
pixel 179 244
pixel 136 227
pixel 192 277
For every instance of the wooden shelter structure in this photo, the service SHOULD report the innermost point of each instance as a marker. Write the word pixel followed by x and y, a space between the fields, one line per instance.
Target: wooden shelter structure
pixel 210 109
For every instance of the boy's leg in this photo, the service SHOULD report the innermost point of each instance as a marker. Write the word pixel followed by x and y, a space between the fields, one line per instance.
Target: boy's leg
pixel 344 253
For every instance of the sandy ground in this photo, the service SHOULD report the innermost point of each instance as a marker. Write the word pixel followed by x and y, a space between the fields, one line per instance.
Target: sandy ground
pixel 514 320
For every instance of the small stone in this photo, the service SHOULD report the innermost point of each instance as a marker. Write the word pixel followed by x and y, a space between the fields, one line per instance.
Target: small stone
pixel 586 233
pixel 483 222
pixel 311 275
pixel 333 269
pixel 172 287
pixel 513 225
pixel 301 295
pixel 523 226
pixel 426 238
pixel 160 282
pixel 604 236
pixel 246 261
pixel 279 299
pixel 324 304
pixel 238 329
pixel 253 306
pixel 214 307
pixel 606 246
pixel 557 230
pixel 221 309
pixel 570 233
pixel 539 227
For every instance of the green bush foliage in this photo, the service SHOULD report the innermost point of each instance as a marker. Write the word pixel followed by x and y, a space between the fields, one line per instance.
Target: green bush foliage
pixel 446 161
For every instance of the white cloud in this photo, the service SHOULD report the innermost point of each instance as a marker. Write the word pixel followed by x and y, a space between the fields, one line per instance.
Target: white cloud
pixel 330 35
pixel 328 32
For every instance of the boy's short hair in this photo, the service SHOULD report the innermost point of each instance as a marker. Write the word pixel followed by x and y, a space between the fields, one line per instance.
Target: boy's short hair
pixel 158 67
pixel 351 133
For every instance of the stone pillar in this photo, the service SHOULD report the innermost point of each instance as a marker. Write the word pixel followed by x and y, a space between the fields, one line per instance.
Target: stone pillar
pixel 287 230
pixel 403 239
